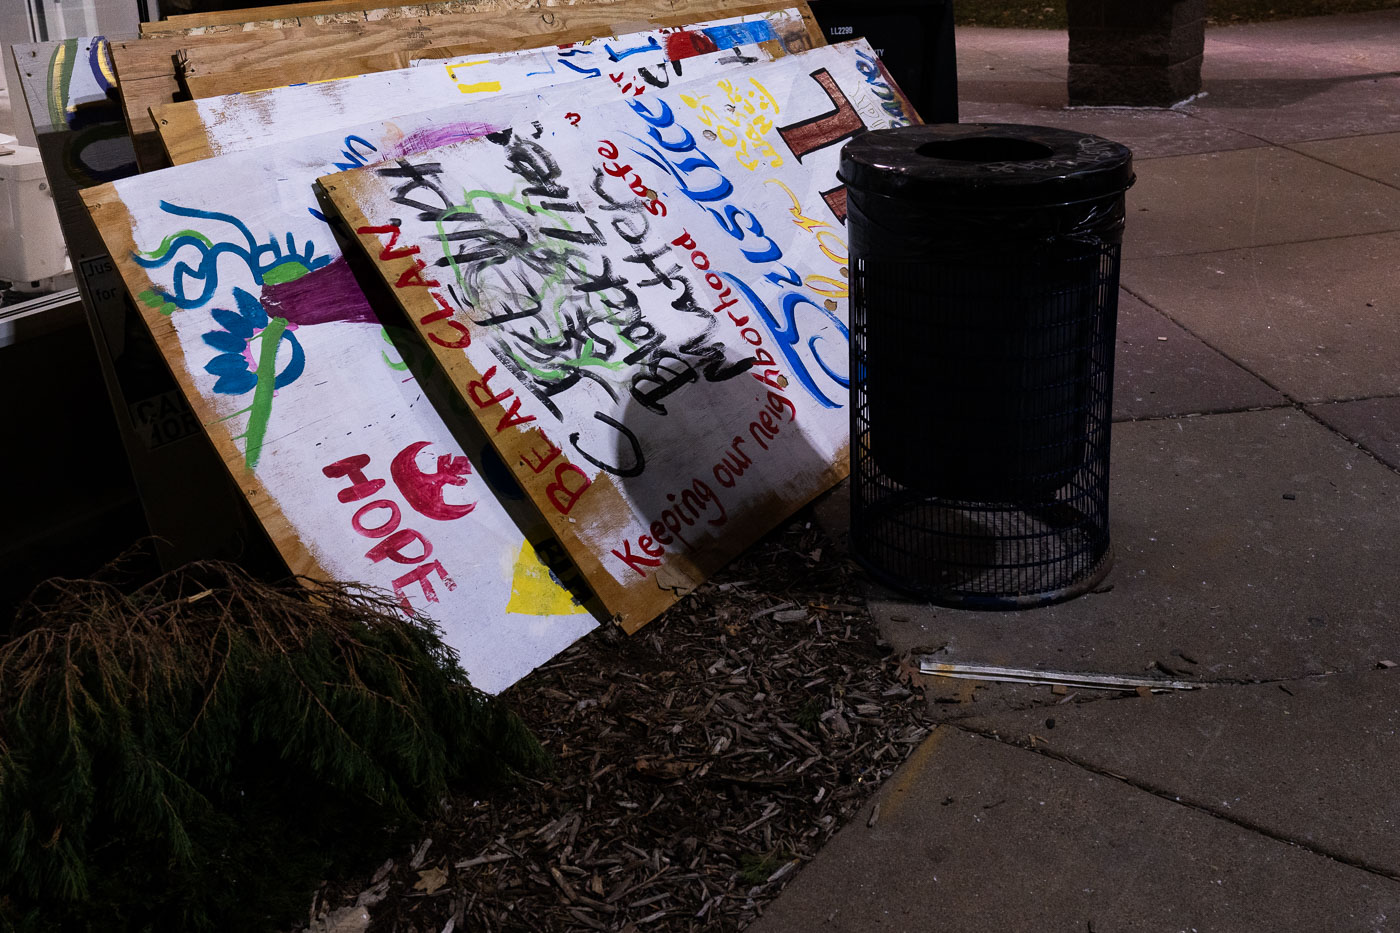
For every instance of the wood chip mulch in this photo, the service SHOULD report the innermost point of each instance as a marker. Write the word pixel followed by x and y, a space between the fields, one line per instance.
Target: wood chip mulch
pixel 700 764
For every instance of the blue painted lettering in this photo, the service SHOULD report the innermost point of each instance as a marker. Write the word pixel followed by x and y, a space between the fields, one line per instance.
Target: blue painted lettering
pixel 789 338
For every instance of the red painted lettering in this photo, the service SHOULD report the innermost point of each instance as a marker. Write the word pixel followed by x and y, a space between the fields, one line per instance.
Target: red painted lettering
pixel 444 313
pixel 413 276
pixel 543 459
pixel 484 396
pixel 481 392
pixel 778 403
pixel 511 418
pixel 674 524
pixel 755 430
pixel 559 493
pixel 419 575
pixel 636 561
pixel 658 531
pixel 361 487
pixel 393 547
pixel 387 251
pixel 357 521
pixel 772 378
pixel 463 341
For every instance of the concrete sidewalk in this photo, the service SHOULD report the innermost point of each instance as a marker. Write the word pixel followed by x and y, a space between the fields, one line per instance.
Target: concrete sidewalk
pixel 1256 515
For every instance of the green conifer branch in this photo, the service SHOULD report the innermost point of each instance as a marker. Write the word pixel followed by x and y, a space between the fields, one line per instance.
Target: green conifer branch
pixel 174 749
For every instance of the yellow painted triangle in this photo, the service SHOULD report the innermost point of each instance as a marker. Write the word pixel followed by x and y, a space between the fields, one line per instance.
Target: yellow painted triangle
pixel 533 590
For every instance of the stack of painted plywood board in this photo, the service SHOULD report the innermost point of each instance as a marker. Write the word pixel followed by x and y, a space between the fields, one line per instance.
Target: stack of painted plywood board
pixel 534 316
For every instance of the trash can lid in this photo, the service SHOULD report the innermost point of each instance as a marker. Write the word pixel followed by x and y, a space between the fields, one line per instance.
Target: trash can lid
pixel 986 165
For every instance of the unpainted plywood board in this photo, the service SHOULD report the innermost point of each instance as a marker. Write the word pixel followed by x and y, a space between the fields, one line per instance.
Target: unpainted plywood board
pixel 255 66
pixel 644 303
pixel 303 14
pixel 203 128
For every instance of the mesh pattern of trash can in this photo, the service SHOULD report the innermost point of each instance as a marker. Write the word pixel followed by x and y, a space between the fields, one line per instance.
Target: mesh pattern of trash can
pixel 984 304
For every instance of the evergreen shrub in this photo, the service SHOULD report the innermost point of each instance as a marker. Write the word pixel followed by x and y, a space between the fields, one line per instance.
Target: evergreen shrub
pixel 193 753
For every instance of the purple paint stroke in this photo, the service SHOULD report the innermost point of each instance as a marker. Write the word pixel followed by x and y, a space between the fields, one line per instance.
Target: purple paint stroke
pixel 328 294
pixel 432 137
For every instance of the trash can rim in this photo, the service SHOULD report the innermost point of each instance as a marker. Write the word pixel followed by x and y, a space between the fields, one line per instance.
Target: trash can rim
pixel 1056 167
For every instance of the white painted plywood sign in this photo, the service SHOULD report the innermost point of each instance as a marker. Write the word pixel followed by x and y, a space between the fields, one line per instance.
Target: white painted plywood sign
pixel 306 391
pixel 240 121
pixel 644 303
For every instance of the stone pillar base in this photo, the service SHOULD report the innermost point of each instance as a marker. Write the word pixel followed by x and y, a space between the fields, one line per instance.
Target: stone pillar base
pixel 1144 53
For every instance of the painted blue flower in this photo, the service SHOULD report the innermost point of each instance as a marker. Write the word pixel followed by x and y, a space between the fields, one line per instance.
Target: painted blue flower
pixel 239 328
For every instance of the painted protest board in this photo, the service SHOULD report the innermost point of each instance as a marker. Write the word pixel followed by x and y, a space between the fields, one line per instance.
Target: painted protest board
pixel 312 396
pixel 147 72
pixel 644 303
pixel 233 122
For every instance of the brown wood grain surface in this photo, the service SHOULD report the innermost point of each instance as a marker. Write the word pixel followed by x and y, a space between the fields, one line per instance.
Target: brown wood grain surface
pixel 502 31
pixel 300 13
pixel 259 68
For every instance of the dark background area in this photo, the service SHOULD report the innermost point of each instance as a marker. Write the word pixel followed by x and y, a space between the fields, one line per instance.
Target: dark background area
pixel 1050 14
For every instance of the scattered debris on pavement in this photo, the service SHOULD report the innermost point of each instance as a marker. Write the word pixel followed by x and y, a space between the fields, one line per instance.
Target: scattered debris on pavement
pixel 1024 675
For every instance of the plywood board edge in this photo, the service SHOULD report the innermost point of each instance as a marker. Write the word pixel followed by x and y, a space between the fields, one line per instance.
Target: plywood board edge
pixel 182 132
pixel 125 86
pixel 114 224
pixel 257 14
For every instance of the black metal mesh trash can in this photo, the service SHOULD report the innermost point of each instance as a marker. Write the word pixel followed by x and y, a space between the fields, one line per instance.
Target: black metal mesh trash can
pixel 984 260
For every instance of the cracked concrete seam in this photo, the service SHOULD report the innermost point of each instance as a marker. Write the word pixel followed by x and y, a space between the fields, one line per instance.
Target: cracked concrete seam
pixel 1183 801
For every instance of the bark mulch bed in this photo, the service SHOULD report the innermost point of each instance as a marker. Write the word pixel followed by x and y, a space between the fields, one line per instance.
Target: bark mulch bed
pixel 700 763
